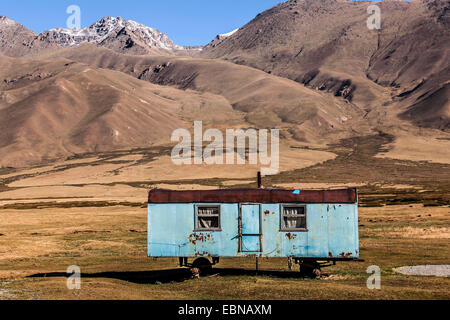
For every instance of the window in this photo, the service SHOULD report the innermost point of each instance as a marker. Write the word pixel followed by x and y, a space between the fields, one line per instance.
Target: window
pixel 293 218
pixel 207 218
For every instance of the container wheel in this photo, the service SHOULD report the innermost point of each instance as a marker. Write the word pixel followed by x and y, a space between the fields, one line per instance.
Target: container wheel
pixel 310 269
pixel 202 264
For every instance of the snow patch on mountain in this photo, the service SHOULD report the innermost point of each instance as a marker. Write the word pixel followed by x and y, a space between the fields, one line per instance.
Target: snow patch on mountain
pixel 221 37
pixel 109 28
pixel 229 34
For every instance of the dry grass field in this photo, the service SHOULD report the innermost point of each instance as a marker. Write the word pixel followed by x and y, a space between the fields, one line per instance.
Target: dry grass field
pixel 90 211
pixel 109 245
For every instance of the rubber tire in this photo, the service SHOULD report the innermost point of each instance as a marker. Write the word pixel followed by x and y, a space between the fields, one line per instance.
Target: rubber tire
pixel 310 270
pixel 203 264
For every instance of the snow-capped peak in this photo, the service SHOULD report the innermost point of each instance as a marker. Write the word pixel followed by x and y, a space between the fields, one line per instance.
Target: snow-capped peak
pixel 133 25
pixel 109 28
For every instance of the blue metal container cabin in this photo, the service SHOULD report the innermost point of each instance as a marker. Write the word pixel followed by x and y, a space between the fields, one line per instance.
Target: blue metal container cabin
pixel 304 225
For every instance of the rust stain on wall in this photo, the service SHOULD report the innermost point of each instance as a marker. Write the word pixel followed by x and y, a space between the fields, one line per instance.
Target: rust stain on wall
pixel 199 237
pixel 345 255
pixel 291 236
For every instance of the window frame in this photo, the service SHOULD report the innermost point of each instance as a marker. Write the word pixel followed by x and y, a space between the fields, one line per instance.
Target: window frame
pixel 282 215
pixel 196 215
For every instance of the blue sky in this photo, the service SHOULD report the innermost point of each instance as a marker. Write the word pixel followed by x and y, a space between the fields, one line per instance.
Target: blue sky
pixel 194 22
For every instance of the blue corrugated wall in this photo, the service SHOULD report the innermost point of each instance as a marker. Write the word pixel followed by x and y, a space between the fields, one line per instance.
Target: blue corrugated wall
pixel 332 232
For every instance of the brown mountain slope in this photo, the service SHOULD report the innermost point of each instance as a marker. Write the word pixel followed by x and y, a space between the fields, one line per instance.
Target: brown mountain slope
pixel 266 100
pixel 53 109
pixel 325 44
pixel 17 41
pixel 434 110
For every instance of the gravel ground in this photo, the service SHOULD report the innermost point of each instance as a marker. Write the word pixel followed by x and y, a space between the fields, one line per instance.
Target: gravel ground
pixel 428 270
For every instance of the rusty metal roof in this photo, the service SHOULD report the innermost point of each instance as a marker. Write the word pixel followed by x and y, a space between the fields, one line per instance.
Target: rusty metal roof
pixel 253 196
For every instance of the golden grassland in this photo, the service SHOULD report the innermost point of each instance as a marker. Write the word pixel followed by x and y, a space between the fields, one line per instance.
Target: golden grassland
pixel 109 245
pixel 90 211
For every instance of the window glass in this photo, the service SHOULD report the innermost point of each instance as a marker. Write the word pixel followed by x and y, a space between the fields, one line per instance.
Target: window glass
pixel 293 218
pixel 207 218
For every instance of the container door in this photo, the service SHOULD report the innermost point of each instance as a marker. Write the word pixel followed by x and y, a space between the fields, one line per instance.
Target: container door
pixel 250 228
